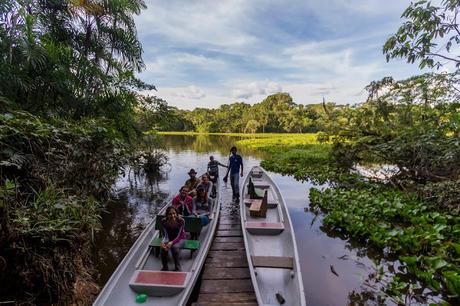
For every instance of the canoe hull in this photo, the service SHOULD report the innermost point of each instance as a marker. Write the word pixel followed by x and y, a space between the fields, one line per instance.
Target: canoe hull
pixel 122 287
pixel 270 245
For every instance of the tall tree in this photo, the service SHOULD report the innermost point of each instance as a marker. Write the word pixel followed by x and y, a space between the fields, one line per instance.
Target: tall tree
pixel 72 58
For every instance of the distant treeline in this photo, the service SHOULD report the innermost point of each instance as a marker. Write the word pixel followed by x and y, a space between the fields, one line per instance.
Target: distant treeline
pixel 276 113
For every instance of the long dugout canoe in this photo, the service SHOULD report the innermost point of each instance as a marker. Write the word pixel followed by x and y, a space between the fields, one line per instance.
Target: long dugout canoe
pixel 138 277
pixel 270 244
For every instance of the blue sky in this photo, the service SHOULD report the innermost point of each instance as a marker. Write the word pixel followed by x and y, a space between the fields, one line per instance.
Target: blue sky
pixel 207 53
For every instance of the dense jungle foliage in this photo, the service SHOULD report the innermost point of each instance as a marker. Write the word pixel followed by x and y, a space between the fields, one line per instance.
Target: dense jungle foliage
pixel 69 104
pixel 277 113
pixel 70 108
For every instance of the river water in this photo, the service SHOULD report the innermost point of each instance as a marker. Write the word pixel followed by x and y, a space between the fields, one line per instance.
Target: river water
pixel 335 271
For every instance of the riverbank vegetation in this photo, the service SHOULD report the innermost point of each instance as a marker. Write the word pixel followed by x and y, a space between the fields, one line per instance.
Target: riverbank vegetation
pixel 410 212
pixel 410 209
pixel 425 240
pixel 305 156
pixel 70 111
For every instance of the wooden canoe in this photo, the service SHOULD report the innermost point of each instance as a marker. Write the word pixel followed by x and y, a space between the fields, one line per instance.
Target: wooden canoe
pixel 139 273
pixel 270 243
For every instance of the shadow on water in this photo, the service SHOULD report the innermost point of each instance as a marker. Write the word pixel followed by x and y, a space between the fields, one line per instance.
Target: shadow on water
pixel 136 201
pixel 335 270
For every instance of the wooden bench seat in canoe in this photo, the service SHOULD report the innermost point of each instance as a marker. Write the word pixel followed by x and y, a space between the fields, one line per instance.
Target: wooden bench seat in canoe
pixel 261 184
pixel 158 283
pixel 258 208
pixel 253 192
pixel 264 228
pixel 281 262
pixel 256 172
pixel 191 245
pixel 193 226
pixel 248 202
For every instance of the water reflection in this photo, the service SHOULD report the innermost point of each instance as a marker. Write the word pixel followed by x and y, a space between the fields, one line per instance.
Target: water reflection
pixel 208 143
pixel 139 196
pixel 357 279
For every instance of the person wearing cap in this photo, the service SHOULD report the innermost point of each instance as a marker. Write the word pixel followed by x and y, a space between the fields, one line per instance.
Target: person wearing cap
pixel 235 162
pixel 202 205
pixel 192 182
pixel 213 168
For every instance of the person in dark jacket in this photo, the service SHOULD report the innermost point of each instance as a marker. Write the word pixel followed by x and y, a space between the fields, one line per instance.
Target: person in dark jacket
pixel 235 163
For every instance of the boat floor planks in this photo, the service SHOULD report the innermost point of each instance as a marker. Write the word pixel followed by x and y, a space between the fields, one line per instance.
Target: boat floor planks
pixel 226 279
pixel 225 273
pixel 241 297
pixel 229 239
pixel 230 233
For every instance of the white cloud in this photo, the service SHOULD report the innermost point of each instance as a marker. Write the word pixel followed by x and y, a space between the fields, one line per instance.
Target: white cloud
pixel 374 7
pixel 190 92
pixel 264 88
pixel 168 63
pixel 190 97
pixel 205 23
pixel 206 53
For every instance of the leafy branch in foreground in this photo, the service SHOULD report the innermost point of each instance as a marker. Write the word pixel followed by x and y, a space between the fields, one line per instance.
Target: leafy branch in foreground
pixel 429 34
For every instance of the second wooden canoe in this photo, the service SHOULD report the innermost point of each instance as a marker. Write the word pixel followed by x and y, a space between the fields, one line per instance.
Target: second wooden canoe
pixel 270 243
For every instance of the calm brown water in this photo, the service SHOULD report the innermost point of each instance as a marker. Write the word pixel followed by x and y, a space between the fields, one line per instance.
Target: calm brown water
pixel 140 197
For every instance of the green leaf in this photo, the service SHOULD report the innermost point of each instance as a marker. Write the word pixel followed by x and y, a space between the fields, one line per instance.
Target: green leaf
pixel 435 262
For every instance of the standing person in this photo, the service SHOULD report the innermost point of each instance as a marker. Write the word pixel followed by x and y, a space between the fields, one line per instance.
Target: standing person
pixel 183 202
pixel 192 182
pixel 173 229
pixel 213 168
pixel 234 163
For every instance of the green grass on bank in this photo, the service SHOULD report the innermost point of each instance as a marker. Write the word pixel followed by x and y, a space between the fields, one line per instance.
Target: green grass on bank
pixel 268 142
pixel 309 136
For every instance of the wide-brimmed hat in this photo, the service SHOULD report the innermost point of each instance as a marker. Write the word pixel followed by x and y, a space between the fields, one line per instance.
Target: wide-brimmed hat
pixel 192 171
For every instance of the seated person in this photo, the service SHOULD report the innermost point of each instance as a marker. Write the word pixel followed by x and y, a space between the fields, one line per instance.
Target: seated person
pixel 183 202
pixel 192 182
pixel 202 205
pixel 207 185
pixel 173 230
pixel 213 168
